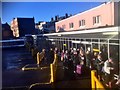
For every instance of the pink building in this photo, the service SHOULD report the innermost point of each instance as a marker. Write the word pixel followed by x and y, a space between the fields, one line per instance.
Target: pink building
pixel 103 15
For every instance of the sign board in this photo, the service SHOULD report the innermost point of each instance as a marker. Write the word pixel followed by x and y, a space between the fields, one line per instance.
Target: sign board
pixel 64 45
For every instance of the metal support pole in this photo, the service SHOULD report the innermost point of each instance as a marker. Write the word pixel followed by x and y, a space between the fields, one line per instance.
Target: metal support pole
pixel 108 49
pixel 91 46
pixel 99 44
pixel 119 55
pixel 63 44
pixel 68 44
pixel 60 44
pixel 85 46
pixel 57 42
pixel 71 44
pixel 75 44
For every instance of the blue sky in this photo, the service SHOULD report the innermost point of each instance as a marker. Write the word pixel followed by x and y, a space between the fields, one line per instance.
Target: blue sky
pixel 42 11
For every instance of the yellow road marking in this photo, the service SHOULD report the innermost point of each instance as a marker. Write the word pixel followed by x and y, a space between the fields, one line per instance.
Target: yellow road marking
pixel 33 68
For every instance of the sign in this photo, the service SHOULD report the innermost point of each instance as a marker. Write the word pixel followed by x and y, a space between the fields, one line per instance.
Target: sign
pixel 64 45
pixel 96 50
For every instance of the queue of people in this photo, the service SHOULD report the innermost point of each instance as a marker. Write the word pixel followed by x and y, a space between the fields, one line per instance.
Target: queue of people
pixel 77 61
pixel 80 60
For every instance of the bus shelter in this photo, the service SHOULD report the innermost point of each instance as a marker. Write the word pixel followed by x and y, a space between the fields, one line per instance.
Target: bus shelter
pixel 97 40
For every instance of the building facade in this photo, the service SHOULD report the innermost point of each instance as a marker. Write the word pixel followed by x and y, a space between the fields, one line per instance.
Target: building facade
pixel 49 27
pixel 45 27
pixel 22 26
pixel 39 25
pixel 103 15
pixel 6 32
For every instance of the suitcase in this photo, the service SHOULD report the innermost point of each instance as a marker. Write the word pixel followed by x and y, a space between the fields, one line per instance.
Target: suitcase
pixel 79 69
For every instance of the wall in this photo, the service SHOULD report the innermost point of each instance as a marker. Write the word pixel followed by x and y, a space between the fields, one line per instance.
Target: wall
pixel 26 26
pixel 6 32
pixel 118 13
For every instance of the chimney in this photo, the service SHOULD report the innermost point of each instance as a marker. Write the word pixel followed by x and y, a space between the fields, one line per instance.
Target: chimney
pixel 70 15
pixel 66 15
pixel 52 19
pixel 56 18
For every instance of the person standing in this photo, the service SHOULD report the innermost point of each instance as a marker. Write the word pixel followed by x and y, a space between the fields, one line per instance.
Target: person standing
pixel 82 57
pixel 51 54
pixel 109 71
pixel 99 65
pixel 93 64
pixel 62 55
pixel 88 59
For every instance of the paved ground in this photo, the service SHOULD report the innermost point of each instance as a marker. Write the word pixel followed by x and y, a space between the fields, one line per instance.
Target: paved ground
pixel 12 74
pixel 71 81
pixel 14 77
pixel 64 81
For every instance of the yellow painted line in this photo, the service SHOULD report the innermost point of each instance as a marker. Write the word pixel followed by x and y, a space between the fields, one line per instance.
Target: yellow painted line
pixel 25 66
pixel 44 67
pixel 95 83
pixel 38 84
pixel 33 68
pixel 25 69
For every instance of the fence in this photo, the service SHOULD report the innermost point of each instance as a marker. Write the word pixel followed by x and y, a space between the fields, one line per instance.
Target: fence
pixel 95 83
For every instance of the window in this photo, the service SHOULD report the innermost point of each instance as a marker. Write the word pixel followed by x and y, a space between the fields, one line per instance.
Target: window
pixel 82 23
pixel 71 25
pixel 63 26
pixel 58 27
pixel 96 20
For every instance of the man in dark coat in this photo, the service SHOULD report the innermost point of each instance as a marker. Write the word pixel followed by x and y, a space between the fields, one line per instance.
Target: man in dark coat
pixel 51 55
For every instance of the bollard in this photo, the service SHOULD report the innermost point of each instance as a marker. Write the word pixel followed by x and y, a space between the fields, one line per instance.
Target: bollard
pixel 92 79
pixel 38 58
pixel 53 69
pixel 52 73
